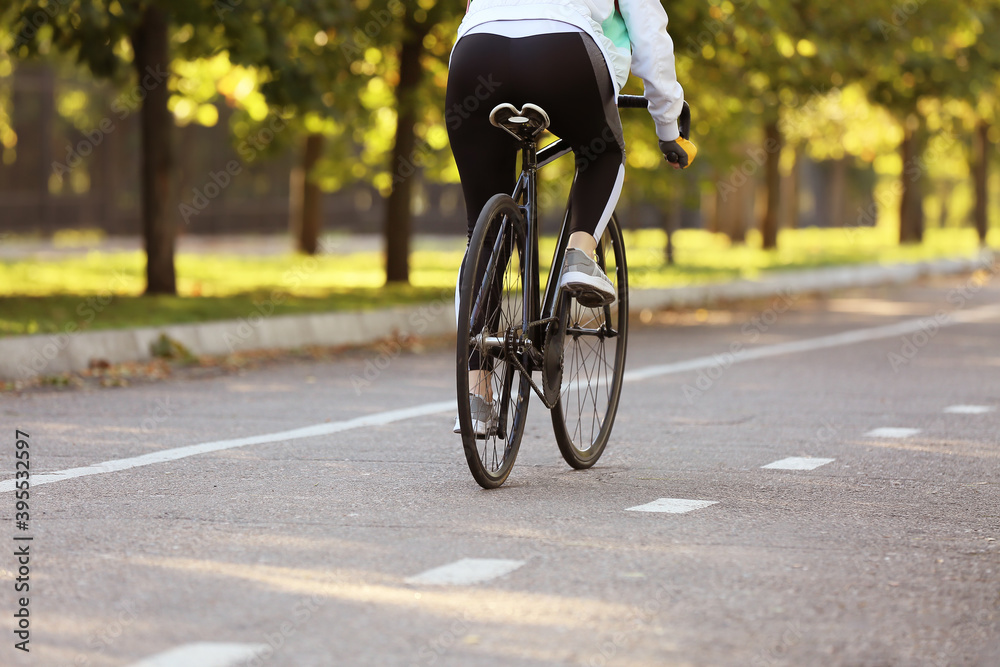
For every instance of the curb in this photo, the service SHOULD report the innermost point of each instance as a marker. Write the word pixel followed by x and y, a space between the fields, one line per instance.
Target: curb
pixel 24 357
pixel 811 281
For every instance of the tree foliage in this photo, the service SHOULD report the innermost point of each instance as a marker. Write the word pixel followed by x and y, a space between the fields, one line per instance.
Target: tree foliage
pixel 767 79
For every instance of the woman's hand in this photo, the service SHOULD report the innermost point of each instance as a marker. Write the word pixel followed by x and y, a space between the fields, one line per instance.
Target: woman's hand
pixel 680 152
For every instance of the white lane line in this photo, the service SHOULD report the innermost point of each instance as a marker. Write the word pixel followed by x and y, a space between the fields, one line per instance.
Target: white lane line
pixel 813 344
pixel 381 418
pixel 204 654
pixel 892 432
pixel 466 572
pixel 672 505
pixel 377 419
pixel 969 409
pixel 798 463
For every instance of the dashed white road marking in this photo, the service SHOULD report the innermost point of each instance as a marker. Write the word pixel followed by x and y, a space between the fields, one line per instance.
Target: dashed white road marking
pixel 892 432
pixel 204 654
pixel 798 463
pixel 969 409
pixel 466 572
pixel 672 505
pixel 382 418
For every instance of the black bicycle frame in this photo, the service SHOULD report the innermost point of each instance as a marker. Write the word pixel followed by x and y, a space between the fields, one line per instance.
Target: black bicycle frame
pixel 532 160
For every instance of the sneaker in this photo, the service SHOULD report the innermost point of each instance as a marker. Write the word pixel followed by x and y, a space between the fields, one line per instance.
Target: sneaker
pixel 583 278
pixel 484 419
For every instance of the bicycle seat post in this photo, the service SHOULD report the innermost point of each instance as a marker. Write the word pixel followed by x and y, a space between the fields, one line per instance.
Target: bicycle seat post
pixel 526 125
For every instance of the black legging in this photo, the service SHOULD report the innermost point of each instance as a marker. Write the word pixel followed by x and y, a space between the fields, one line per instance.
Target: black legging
pixel 563 73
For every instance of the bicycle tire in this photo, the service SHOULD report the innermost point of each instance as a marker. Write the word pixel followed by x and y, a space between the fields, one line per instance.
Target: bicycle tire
pixel 495 256
pixel 591 387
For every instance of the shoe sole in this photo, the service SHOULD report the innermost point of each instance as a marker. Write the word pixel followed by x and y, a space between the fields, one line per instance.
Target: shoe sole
pixel 587 289
pixel 479 427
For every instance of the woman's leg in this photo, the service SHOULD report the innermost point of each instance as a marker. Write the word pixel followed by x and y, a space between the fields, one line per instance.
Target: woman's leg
pixel 486 156
pixel 569 79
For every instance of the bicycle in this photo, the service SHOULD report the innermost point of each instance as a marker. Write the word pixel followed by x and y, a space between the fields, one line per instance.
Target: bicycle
pixel 507 330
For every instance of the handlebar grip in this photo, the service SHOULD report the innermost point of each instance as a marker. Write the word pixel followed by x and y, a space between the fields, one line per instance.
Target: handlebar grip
pixel 683 122
pixel 632 102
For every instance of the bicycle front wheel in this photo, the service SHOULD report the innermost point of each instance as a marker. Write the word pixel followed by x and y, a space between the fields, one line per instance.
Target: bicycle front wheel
pixel 490 331
pixel 593 362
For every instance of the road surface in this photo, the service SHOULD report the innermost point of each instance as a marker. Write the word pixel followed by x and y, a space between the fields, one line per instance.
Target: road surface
pixel 290 516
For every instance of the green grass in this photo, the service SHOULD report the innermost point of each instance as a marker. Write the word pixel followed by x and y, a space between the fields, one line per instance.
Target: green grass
pixel 702 257
pixel 21 315
pixel 101 290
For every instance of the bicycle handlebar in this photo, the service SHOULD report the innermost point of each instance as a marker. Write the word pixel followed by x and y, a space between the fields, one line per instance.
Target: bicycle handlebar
pixel 632 102
pixel 683 121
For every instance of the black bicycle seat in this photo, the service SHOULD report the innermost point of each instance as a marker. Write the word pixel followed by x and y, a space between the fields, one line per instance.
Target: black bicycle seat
pixel 525 124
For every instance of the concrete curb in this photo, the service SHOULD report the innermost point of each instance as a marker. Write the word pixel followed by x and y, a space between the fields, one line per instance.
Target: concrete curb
pixel 804 282
pixel 25 357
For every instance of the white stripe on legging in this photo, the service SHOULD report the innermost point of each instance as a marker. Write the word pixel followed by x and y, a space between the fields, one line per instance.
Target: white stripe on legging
pixel 616 193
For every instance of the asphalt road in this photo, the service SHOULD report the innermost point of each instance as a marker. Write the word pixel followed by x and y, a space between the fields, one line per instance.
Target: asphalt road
pixel 320 546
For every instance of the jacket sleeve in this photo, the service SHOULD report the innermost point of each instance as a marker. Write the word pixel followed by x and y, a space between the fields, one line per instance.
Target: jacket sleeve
pixel 653 62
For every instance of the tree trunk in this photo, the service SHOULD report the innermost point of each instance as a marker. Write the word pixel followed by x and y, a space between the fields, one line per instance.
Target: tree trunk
pixel 46 115
pixel 733 210
pixel 790 194
pixel 980 175
pixel 944 193
pixel 838 193
pixel 772 150
pixel 397 215
pixel 672 212
pixel 149 43
pixel 311 210
pixel 911 204
pixel 710 211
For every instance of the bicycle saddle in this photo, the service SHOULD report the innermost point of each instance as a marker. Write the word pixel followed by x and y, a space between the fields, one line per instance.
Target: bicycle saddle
pixel 525 124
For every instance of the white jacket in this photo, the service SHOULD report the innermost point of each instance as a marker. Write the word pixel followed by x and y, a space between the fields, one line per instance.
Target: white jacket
pixel 652 51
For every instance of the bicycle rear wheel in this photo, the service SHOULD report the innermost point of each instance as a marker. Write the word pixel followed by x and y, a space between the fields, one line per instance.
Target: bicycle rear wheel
pixel 490 329
pixel 593 362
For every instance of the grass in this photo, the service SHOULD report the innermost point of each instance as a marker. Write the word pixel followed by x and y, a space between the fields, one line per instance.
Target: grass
pixel 101 290
pixel 21 315
pixel 703 257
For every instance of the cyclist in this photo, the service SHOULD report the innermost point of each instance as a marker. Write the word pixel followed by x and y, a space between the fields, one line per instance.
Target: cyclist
pixel 570 57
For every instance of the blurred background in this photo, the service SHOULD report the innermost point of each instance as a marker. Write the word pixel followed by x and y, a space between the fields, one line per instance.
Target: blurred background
pixel 200 148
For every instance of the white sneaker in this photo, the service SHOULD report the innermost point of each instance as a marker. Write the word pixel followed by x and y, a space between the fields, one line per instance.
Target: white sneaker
pixel 484 418
pixel 584 279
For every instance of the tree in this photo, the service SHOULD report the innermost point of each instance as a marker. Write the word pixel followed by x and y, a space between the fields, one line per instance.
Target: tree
pixel 309 223
pixel 761 60
pixel 149 44
pixel 980 179
pixel 398 217
pixel 404 65
pixel 323 105
pixel 112 37
pixel 932 51
pixel 983 97
pixel 98 37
